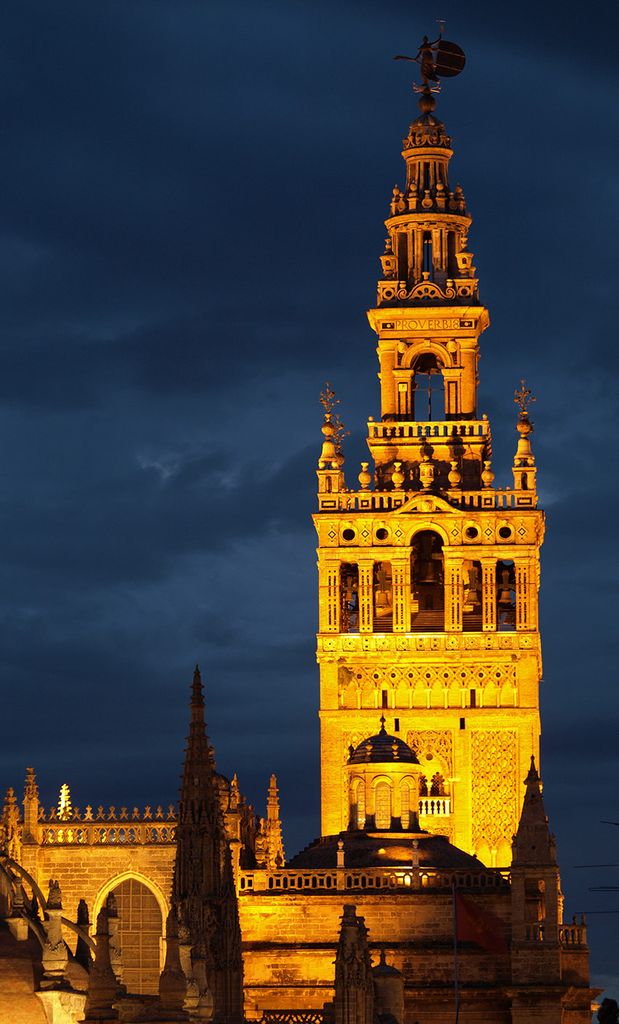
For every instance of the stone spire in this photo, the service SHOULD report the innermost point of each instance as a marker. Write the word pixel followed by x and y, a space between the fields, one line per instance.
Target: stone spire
pixel 354 985
pixel 275 845
pixel 204 889
pixel 9 825
pixel 533 843
pixel 31 808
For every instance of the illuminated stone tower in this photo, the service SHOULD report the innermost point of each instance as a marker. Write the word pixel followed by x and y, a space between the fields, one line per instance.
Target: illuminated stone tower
pixel 428 573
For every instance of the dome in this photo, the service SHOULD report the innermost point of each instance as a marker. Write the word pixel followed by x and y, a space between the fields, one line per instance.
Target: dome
pixel 380 850
pixel 382 749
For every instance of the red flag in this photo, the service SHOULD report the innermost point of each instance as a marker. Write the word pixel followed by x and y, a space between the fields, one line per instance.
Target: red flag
pixel 476 924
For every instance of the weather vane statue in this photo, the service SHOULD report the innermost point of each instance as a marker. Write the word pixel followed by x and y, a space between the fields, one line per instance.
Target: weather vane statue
pixel 436 60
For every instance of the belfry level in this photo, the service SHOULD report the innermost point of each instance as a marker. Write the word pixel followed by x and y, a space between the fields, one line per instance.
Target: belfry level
pixel 428 573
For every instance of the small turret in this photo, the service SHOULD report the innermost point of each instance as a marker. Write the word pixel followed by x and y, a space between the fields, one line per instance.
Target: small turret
pixel 330 475
pixel 275 845
pixel 524 468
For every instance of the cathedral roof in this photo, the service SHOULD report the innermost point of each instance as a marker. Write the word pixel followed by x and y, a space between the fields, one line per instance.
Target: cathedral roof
pixel 382 748
pixel 372 850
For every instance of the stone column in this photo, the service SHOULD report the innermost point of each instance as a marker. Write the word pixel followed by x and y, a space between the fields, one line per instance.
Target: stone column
pixel 366 597
pixel 488 586
pixel 401 614
pixel 453 597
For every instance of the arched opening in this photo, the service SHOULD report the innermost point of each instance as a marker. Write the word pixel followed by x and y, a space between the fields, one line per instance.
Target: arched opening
pixel 405 805
pixel 383 597
pixel 505 596
pixel 427 583
pixel 141 930
pixel 382 806
pixel 535 902
pixel 471 605
pixel 349 598
pixel 437 785
pixel 357 808
pixel 428 389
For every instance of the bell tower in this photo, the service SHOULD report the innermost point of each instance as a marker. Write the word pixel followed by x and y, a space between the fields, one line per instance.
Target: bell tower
pixel 428 573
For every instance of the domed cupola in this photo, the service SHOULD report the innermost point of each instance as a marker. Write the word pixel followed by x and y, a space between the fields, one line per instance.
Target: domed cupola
pixel 383 784
pixel 382 749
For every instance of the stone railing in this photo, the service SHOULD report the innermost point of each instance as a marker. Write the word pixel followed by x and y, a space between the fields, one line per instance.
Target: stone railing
pixel 322 880
pixel 574 934
pixel 108 834
pixel 435 805
pixel 105 827
pixel 450 430
pixel 389 501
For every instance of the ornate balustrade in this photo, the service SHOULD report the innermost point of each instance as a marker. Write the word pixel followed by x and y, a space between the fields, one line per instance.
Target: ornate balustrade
pixel 108 827
pixel 389 501
pixel 322 880
pixel 431 806
pixel 118 834
pixel 574 934
pixel 428 429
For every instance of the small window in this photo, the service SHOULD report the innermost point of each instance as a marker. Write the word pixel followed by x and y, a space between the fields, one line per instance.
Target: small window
pixel 396 725
pixel 471 533
pixel 505 532
pixel 462 723
pixel 382 533
pixel 473 698
pixel 384 699
pixel 348 534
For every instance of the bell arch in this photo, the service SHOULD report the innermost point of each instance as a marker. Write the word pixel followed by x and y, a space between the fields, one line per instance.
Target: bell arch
pixel 427 347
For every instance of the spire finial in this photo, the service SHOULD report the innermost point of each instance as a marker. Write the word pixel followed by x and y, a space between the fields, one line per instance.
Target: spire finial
pixel 197 696
pixel 328 399
pixel 523 397
pixel 382 723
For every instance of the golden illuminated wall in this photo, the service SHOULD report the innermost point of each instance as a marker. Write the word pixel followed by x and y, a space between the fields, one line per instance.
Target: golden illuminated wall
pixel 428 573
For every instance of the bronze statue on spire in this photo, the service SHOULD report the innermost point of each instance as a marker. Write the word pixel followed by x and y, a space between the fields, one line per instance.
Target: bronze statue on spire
pixel 436 60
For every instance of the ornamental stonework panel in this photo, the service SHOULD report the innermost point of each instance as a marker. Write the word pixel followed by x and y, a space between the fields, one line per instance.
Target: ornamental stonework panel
pixel 432 745
pixel 494 785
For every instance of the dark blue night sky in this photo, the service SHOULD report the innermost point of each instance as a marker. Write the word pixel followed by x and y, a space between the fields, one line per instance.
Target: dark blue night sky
pixel 191 208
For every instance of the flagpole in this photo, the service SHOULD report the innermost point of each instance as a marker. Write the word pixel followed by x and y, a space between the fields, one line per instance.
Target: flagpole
pixel 455 924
